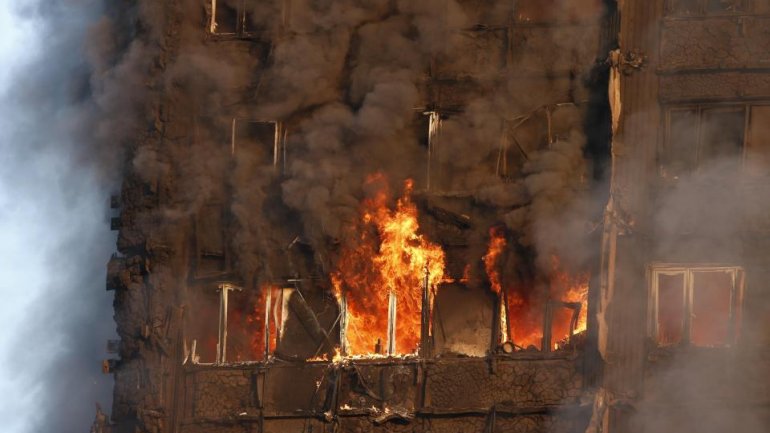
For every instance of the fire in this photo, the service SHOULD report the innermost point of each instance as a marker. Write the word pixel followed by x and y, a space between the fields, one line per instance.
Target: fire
pixel 497 245
pixel 569 288
pixel 389 257
pixel 526 307
pixel 256 320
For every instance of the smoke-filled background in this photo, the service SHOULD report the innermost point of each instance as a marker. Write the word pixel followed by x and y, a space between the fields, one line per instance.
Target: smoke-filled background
pixel 54 225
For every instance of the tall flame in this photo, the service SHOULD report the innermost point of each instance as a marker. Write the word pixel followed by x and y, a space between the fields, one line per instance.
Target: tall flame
pixel 496 247
pixel 492 259
pixel 388 257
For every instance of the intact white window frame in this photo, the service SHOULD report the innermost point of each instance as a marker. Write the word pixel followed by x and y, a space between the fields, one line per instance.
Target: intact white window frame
pixel 688 270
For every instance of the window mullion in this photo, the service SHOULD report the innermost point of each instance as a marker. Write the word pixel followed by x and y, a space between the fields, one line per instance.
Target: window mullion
pixel 699 141
pixel 731 313
pixel 688 294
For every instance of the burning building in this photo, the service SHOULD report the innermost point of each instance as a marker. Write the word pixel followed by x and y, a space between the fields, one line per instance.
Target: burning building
pixel 443 216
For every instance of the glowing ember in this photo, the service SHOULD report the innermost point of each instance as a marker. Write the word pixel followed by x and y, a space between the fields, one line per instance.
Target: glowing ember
pixel 388 257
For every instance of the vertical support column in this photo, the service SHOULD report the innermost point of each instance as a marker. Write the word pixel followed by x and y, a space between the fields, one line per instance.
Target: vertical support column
pixel 434 127
pixel 547 320
pixel 268 302
pixel 495 336
pixel 392 303
pixel 506 327
pixel 502 311
pixel 343 324
pixel 426 349
pixel 224 291
pixel 213 23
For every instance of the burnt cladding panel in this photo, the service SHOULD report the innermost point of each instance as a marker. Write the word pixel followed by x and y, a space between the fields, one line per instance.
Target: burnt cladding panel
pixel 297 388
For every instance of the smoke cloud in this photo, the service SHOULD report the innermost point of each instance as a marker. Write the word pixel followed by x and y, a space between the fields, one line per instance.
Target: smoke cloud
pixel 55 181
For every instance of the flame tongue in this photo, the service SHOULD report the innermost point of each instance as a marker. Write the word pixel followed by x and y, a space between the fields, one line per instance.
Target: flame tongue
pixel 389 257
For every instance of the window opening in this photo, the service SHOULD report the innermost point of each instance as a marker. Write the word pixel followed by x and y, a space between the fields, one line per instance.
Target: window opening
pixel 698 306
pixel 758 142
pixel 733 135
pixel 258 143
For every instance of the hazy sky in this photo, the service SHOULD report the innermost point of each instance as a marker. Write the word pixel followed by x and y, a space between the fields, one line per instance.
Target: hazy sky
pixel 54 237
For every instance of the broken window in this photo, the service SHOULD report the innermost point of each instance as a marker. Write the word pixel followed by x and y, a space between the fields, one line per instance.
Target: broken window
pixel 524 135
pixel 699 136
pixel 560 324
pixel 521 137
pixel 698 306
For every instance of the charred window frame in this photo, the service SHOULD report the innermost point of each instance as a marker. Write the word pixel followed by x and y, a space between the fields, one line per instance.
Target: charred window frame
pixel 236 18
pixel 696 135
pixel 695 305
pixel 716 7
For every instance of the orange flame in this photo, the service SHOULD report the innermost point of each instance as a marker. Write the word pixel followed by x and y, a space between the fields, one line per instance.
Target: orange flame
pixel 497 245
pixel 526 308
pixel 389 257
pixel 568 288
pixel 256 320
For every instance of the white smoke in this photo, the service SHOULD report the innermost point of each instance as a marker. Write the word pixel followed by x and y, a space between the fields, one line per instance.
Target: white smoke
pixel 54 230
